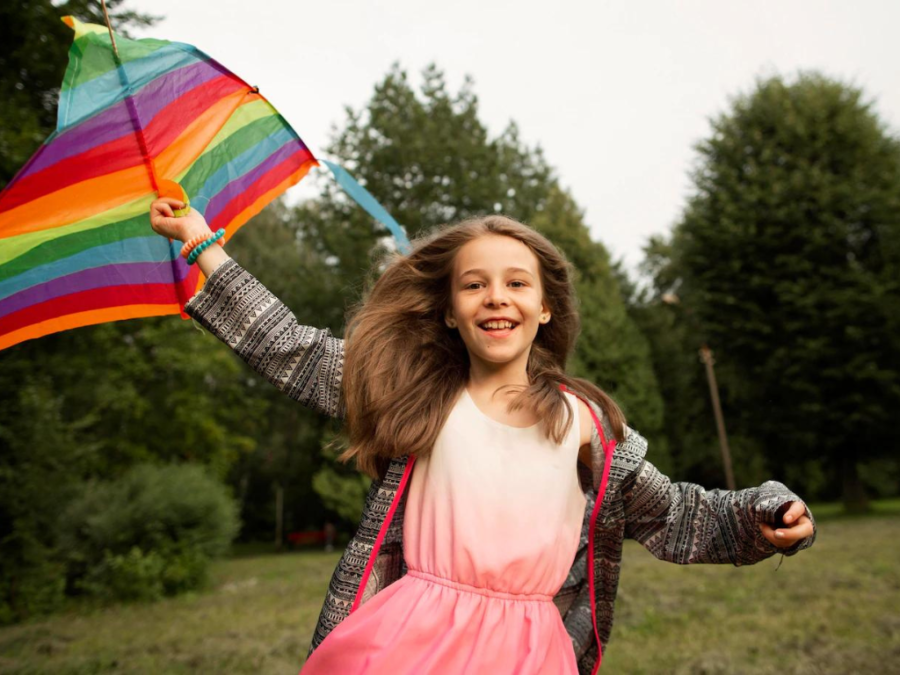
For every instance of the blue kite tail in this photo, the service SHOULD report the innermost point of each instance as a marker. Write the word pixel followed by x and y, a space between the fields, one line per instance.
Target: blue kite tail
pixel 362 197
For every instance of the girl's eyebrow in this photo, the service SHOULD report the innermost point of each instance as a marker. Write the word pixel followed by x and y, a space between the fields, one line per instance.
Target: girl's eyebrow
pixel 508 269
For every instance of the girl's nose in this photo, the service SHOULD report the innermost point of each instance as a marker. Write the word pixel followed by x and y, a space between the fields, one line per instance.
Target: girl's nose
pixel 496 296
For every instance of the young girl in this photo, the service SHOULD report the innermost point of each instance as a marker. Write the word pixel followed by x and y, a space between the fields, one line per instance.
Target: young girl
pixel 503 488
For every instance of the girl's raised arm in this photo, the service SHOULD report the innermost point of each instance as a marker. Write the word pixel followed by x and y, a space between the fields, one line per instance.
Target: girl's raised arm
pixel 304 362
pixel 684 523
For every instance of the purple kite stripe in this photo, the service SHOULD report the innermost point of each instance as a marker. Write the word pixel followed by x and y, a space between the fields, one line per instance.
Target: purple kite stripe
pixel 114 122
pixel 239 184
pixel 98 277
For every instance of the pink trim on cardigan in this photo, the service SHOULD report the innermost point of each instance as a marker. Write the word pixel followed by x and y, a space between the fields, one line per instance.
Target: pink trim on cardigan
pixel 384 526
pixel 608 449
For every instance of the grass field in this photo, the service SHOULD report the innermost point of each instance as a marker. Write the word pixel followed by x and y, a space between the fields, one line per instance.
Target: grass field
pixel 832 609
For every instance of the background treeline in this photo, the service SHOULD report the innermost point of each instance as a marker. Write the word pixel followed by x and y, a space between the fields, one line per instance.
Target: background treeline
pixel 786 262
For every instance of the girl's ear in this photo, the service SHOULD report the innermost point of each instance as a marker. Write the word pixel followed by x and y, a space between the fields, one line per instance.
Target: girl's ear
pixel 545 313
pixel 448 318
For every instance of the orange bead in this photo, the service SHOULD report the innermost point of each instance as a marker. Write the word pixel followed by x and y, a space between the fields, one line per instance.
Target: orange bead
pixel 193 243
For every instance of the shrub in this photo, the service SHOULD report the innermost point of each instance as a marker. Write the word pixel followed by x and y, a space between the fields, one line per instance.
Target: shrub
pixel 148 534
pixel 31 581
pixel 133 576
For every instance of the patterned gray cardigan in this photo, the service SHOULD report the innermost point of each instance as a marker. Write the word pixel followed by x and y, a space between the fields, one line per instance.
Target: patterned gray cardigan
pixel 678 522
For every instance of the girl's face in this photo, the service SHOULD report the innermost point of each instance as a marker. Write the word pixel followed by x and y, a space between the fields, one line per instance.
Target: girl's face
pixel 497 277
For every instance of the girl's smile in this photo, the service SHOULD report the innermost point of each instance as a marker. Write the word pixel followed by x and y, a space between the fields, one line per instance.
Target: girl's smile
pixel 496 333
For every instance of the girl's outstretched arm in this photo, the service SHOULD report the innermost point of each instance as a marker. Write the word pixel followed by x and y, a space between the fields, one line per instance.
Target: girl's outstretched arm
pixel 683 523
pixel 304 362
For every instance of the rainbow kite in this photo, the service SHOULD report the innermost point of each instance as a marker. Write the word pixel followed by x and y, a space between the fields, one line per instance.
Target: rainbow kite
pixel 76 247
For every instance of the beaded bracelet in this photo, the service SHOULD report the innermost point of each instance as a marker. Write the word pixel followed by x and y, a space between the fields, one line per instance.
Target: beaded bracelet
pixel 202 246
pixel 192 243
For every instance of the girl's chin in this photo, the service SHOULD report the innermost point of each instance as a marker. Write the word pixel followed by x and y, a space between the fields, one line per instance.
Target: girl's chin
pixel 496 355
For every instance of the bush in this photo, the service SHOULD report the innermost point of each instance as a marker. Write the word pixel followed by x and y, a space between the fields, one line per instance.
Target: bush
pixel 31 581
pixel 148 534
pixel 133 576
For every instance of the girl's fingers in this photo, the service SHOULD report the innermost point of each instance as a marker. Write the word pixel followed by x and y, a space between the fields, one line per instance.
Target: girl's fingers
pixel 174 203
pixel 165 210
pixel 797 510
pixel 162 217
pixel 787 536
pixel 801 530
pixel 164 222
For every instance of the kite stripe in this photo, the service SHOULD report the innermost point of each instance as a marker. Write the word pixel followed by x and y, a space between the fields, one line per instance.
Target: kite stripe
pixel 145 294
pixel 79 319
pixel 284 154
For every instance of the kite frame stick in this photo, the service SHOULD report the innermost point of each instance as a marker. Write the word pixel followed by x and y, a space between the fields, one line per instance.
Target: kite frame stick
pixel 109 26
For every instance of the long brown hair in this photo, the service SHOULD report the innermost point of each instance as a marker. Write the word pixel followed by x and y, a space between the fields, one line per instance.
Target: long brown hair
pixel 403 368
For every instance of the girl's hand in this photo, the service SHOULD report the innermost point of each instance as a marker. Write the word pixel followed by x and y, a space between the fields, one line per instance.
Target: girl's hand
pixel 164 222
pixel 796 526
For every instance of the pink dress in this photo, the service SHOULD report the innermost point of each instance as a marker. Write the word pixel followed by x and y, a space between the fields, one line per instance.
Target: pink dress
pixel 492 525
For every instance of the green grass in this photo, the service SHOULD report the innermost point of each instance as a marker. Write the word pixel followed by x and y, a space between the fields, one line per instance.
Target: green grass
pixel 834 609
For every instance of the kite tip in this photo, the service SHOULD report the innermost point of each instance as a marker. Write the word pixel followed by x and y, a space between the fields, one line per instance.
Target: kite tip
pixel 80 27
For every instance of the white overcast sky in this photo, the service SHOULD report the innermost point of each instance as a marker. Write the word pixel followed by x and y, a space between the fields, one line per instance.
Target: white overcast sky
pixel 616 93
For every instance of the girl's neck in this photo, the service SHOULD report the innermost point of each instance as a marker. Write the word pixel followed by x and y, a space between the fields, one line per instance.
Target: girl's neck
pixel 489 380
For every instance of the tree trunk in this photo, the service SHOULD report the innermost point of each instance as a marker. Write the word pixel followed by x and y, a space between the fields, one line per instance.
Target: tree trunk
pixel 279 516
pixel 854 492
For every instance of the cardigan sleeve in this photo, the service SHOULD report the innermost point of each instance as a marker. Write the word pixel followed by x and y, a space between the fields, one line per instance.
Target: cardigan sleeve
pixel 304 362
pixel 683 523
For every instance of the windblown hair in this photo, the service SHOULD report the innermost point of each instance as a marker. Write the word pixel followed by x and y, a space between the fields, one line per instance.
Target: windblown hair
pixel 404 368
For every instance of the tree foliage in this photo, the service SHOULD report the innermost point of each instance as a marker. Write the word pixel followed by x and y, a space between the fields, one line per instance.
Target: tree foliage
pixel 151 532
pixel 789 255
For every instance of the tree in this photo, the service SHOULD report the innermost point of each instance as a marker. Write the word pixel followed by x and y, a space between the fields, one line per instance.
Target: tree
pixel 688 418
pixel 789 253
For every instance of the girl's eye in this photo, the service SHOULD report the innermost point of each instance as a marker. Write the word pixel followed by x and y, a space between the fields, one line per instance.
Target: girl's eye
pixel 472 285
